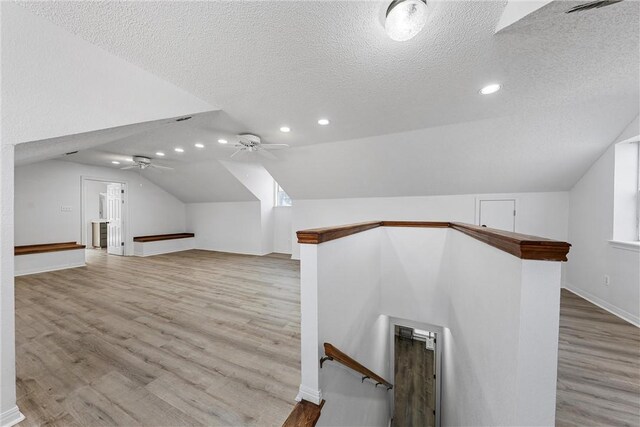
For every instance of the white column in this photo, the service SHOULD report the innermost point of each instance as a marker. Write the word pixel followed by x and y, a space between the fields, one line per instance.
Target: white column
pixel 9 413
pixel 538 343
pixel 310 351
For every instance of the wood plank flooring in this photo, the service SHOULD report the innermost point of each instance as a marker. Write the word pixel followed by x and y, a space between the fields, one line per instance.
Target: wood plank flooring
pixel 190 338
pixel 208 338
pixel 414 386
pixel 598 367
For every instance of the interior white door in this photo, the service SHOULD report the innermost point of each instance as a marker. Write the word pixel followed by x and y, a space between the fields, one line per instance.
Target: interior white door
pixel 499 214
pixel 115 200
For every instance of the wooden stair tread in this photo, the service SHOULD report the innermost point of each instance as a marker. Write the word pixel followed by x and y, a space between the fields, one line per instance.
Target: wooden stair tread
pixel 304 414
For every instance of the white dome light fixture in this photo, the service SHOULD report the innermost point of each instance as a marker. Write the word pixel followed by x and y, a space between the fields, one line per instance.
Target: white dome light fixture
pixel 405 19
pixel 489 89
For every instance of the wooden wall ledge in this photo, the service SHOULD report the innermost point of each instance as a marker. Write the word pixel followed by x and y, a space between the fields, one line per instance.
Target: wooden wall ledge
pixel 46 247
pixel 159 237
pixel 521 245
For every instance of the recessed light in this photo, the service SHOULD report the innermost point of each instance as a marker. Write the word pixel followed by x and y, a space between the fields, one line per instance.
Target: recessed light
pixel 198 145
pixel 285 129
pixel 405 19
pixel 222 141
pixel 159 154
pixel 323 122
pixel 489 89
pixel 179 150
pixel 115 162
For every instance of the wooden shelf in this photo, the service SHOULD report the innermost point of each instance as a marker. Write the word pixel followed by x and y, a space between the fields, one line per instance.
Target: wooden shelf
pixel 159 237
pixel 46 247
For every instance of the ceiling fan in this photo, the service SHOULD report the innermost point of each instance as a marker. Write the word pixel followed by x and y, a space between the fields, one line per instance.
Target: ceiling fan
pixel 142 162
pixel 250 143
pixel 597 4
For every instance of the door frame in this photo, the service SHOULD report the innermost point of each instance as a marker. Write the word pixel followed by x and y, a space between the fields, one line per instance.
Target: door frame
pixel 439 331
pixel 501 198
pixel 125 211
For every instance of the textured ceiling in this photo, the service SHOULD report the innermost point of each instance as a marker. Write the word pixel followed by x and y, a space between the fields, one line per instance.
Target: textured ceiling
pixel 571 84
pixel 56 84
pixel 273 63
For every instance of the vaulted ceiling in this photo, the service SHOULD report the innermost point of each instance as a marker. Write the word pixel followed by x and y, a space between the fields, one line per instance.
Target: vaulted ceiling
pixel 406 118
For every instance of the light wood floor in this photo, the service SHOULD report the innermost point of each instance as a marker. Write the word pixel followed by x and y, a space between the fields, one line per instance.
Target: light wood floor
pixel 598 367
pixel 136 341
pixel 191 338
pixel 414 386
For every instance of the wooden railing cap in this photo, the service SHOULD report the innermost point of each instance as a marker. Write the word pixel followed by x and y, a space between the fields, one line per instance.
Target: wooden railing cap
pixel 521 245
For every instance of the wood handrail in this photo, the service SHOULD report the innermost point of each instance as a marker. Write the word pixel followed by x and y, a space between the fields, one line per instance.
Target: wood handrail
pixel 332 353
pixel 304 414
pixel 521 245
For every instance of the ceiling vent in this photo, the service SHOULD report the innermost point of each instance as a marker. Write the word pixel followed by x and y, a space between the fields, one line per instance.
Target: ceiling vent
pixel 592 5
pixel 70 153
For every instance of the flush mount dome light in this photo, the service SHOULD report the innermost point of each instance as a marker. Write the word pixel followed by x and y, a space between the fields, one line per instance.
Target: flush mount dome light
pixel 405 19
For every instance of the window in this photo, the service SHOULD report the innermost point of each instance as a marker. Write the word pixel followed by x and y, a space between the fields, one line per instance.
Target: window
pixel 626 194
pixel 281 198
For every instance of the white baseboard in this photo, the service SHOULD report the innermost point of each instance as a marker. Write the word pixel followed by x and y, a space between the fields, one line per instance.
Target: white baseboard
pixel 11 417
pixel 44 270
pixel 144 249
pixel 615 310
pixel 313 396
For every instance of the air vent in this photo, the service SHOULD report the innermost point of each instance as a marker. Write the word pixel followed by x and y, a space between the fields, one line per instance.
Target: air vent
pixel 70 153
pixel 182 119
pixel 592 5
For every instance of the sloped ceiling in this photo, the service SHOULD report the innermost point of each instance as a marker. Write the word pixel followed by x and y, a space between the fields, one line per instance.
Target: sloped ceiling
pixel 57 84
pixel 406 118
pixel 546 151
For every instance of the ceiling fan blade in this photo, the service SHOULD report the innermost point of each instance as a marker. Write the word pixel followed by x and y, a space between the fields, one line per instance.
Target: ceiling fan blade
pixel 237 152
pixel 160 167
pixel 268 155
pixel 274 146
pixel 129 167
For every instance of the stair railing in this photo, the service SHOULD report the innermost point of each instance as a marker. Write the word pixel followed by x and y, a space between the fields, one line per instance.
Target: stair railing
pixel 332 353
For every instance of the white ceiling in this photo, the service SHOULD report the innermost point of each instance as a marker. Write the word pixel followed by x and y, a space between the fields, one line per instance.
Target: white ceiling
pixel 55 84
pixel 571 84
pixel 270 63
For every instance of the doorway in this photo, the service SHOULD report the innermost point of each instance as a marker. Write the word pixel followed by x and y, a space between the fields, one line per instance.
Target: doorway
pixel 497 213
pixel 415 359
pixel 104 215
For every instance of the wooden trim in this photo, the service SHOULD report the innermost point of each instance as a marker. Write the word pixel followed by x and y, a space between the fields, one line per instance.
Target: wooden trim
pixel 46 247
pixel 159 237
pixel 304 414
pixel 423 224
pixel 333 353
pixel 521 245
pixel 321 235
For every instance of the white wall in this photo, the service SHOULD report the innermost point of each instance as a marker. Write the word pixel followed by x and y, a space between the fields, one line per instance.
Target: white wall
pixel 500 316
pixel 9 413
pixel 592 256
pixel 350 319
pixel 227 227
pixel 257 180
pixel 282 229
pixel 540 214
pixel 41 189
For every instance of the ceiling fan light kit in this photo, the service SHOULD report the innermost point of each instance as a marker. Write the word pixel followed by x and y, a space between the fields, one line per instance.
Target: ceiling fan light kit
pixel 405 19
pixel 143 162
